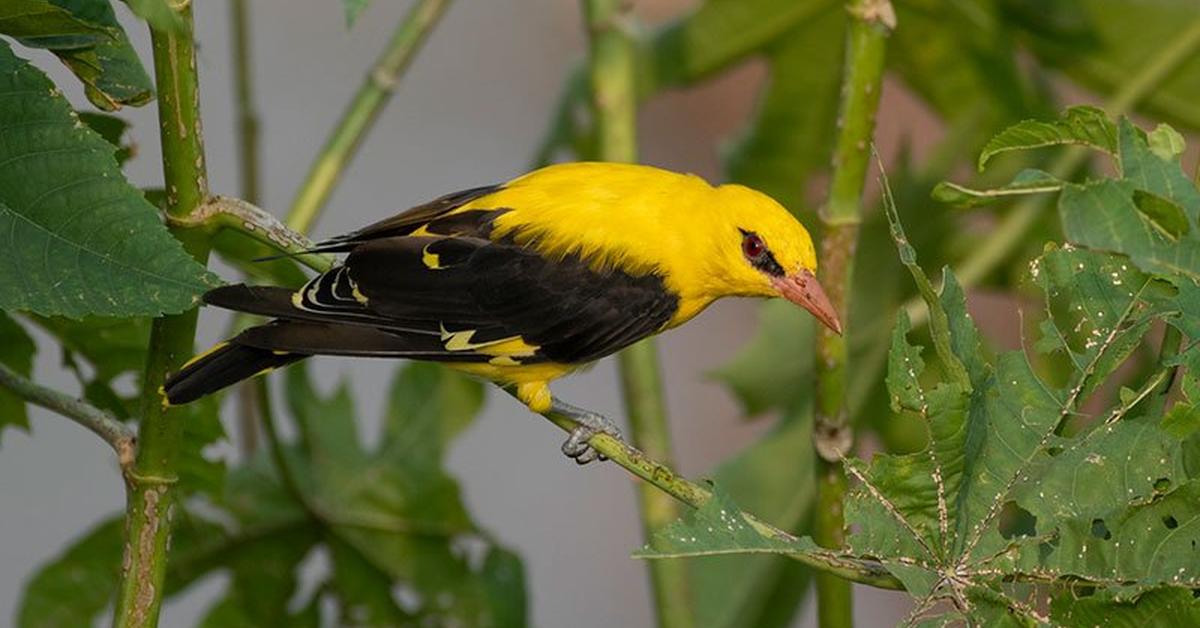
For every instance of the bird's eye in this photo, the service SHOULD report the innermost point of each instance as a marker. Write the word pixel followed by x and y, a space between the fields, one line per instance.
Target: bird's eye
pixel 753 247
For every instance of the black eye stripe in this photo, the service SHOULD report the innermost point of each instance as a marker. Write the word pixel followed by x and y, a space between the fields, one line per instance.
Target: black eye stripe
pixel 765 262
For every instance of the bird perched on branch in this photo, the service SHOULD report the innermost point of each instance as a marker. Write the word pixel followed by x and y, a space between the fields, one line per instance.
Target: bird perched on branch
pixel 524 282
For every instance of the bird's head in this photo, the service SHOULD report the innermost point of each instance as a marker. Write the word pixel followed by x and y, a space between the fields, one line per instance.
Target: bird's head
pixel 762 250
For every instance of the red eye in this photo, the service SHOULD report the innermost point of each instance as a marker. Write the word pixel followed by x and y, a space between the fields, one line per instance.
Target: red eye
pixel 752 246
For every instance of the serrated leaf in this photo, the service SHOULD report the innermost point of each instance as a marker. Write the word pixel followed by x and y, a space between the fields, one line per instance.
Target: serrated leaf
pixel 716 527
pixel 396 513
pixel 1083 125
pixel 62 198
pixel 1164 608
pixel 774 477
pixel 39 22
pixel 1102 215
pixel 85 574
pixel 109 68
pixel 16 352
pixel 1028 181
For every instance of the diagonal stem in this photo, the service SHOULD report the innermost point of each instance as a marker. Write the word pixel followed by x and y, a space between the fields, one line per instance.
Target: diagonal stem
pixel 101 423
pixel 375 92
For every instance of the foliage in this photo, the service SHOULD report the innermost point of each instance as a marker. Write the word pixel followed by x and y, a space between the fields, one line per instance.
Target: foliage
pixel 1018 484
pixel 1053 485
pixel 390 519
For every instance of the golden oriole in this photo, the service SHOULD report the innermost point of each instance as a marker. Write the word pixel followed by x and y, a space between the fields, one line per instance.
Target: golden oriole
pixel 523 282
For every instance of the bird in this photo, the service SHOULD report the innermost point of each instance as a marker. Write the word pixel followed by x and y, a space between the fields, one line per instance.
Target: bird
pixel 524 282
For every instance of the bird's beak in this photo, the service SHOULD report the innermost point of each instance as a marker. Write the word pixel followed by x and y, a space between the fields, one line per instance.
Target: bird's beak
pixel 803 290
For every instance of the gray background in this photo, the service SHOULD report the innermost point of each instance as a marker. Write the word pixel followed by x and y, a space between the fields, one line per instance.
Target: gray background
pixel 469 112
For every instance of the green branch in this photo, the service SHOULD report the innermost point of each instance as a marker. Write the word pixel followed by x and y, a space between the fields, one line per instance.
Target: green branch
pixel 871 21
pixel 661 477
pixel 611 72
pixel 360 115
pixel 151 480
pixel 101 423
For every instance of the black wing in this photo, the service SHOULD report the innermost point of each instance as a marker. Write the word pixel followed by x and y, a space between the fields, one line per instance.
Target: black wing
pixel 465 223
pixel 418 296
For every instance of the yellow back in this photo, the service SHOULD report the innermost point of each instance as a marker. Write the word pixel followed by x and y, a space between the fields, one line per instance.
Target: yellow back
pixel 641 219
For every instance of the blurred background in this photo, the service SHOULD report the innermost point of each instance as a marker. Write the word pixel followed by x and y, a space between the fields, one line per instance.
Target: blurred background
pixel 474 109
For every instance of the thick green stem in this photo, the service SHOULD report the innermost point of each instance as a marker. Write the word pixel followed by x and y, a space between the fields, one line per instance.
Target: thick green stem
pixel 248 162
pixel 1011 231
pixel 151 480
pixel 870 24
pixel 360 115
pixel 614 106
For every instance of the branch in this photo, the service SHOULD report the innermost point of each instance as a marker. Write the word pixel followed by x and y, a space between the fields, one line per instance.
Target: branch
pixel 101 423
pixel 234 214
pixel 375 92
pixel 660 476
pixel 870 23
pixel 151 480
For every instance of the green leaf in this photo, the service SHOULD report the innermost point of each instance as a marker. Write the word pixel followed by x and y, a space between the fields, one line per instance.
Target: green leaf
pixel 1182 421
pixel 1165 215
pixel 774 478
pixel 109 68
pixel 353 8
pixel 75 586
pixel 397 513
pixel 717 527
pixel 112 346
pixel 1028 181
pixel 63 199
pixel 1102 215
pixel 1164 608
pixel 1083 125
pixel 764 373
pixel 1001 496
pixel 16 352
pixel 38 22
pixel 1166 142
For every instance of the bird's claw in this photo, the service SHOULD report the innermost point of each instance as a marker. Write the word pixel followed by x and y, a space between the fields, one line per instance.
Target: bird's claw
pixel 577 446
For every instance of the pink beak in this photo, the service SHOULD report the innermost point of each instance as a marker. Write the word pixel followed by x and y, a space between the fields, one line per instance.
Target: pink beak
pixel 803 290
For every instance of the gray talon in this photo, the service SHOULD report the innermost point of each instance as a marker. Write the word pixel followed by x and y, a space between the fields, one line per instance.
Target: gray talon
pixel 589 424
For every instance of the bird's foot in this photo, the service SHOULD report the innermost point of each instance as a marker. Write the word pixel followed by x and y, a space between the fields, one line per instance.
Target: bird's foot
pixel 577 446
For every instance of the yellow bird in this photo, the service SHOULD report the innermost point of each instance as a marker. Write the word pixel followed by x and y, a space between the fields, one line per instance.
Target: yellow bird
pixel 524 282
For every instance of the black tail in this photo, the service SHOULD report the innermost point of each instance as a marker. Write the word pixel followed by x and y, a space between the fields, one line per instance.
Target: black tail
pixel 223 365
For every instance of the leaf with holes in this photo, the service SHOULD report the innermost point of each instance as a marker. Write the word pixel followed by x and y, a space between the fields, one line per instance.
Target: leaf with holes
pixel 75 238
pixel 1015 486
